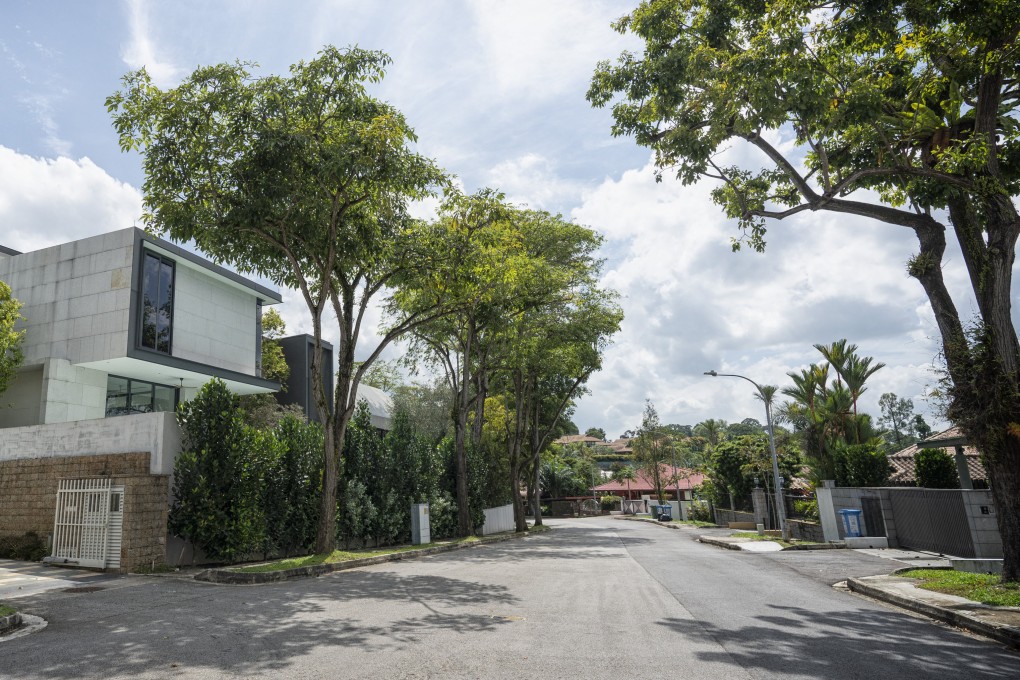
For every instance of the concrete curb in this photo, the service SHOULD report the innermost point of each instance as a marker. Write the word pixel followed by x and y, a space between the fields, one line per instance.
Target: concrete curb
pixel 649 520
pixel 733 544
pixel 10 623
pixel 229 577
pixel 956 611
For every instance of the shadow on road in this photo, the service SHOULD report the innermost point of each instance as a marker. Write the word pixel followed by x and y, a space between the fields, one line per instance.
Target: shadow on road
pixel 853 643
pixel 243 630
pixel 564 542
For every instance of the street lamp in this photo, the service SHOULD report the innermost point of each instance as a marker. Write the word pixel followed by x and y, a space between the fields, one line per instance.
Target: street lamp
pixel 780 507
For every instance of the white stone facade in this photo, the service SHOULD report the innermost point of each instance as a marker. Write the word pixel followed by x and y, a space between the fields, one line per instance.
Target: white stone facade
pixel 82 307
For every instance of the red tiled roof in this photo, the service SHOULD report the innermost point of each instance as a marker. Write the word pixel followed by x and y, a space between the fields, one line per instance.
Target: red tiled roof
pixel 903 460
pixel 644 484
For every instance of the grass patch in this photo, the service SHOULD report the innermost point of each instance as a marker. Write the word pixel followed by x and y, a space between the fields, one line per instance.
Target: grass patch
pixel 5 610
pixel 342 556
pixel 533 529
pixel 983 588
pixel 694 523
pixel 159 568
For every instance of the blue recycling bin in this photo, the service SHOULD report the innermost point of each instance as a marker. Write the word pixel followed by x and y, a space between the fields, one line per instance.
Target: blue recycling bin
pixel 851 522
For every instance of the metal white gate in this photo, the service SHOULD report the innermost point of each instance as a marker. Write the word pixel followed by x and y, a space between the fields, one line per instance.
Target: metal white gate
pixel 81 524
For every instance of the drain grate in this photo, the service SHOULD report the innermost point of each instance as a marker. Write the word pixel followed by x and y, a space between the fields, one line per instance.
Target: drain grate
pixel 84 589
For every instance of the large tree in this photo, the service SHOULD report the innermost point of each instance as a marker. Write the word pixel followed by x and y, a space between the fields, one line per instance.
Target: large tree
pixel 903 112
pixel 303 179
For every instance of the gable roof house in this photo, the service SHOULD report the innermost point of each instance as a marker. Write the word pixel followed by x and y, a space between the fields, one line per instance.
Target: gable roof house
pixel 968 460
pixel 120 328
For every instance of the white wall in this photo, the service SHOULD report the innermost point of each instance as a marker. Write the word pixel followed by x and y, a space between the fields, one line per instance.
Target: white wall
pixel 71 392
pixel 498 520
pixel 214 323
pixel 75 297
pixel 156 433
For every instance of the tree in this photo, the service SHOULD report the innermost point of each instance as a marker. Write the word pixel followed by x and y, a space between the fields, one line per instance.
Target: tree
pixel 936 469
pixel 384 375
pixel 921 428
pixel 263 411
pixel 897 418
pixel 11 355
pixel 596 432
pixel 626 474
pixel 302 179
pixel 897 112
pixel 713 430
pixel 861 465
pixel 652 449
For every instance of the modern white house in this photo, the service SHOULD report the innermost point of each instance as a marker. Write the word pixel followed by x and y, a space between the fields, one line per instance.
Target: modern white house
pixel 120 328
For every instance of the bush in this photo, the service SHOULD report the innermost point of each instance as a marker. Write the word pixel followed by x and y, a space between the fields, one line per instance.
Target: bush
pixel 29 547
pixel 700 512
pixel 860 465
pixel 936 469
pixel 608 503
pixel 806 509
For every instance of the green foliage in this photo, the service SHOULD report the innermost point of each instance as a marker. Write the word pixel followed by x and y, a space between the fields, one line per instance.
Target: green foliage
pixel 860 465
pixel 217 484
pixel 29 547
pixel 700 511
pixel 806 509
pixel 292 486
pixel 596 432
pixel 610 502
pixel 11 355
pixel 936 469
pixel 734 464
pixel 898 419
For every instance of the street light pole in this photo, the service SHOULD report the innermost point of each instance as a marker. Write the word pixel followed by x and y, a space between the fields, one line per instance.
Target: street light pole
pixel 780 506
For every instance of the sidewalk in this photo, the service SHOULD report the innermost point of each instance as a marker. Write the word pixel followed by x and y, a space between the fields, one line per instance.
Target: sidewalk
pixel 999 623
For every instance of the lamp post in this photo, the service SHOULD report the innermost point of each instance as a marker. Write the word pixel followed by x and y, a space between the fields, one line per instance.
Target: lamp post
pixel 780 507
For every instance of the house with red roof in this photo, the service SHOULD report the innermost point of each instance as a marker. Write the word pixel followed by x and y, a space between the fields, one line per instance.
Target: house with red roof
pixel 643 485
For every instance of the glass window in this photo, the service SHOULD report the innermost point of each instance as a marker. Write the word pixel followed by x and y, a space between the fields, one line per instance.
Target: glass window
pixel 157 303
pixel 126 395
pixel 116 396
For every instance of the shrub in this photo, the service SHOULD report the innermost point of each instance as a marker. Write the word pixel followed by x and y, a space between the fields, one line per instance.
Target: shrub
pixel 936 469
pixel 860 465
pixel 700 512
pixel 806 509
pixel 610 503
pixel 30 547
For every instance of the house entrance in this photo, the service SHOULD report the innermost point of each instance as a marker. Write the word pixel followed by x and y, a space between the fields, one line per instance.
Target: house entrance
pixel 88 523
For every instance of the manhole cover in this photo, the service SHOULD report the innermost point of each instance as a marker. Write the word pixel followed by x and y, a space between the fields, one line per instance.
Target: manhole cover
pixel 84 589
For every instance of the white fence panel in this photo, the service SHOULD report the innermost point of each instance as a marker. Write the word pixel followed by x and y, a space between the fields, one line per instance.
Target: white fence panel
pixel 498 520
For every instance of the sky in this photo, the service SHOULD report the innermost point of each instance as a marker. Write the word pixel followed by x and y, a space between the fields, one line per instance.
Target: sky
pixel 496 94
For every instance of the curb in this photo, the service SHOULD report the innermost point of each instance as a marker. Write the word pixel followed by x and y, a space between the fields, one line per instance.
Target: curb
pixel 648 520
pixel 9 623
pixel 228 577
pixel 729 545
pixel 1008 635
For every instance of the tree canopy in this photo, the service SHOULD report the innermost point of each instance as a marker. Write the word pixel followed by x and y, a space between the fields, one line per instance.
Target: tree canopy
pixel 903 112
pixel 11 355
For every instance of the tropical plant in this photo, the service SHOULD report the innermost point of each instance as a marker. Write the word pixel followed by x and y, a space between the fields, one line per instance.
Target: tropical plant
pixel 11 356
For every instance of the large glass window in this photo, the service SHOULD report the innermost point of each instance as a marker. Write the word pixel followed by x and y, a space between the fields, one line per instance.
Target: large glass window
pixel 126 395
pixel 157 302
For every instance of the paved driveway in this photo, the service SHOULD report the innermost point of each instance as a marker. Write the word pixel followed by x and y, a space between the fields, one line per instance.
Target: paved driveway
pixel 21 579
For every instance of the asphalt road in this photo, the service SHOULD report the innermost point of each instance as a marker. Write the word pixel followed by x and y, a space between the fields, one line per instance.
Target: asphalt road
pixel 596 598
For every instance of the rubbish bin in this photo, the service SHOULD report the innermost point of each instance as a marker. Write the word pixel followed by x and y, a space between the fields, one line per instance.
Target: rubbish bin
pixel 660 511
pixel 851 522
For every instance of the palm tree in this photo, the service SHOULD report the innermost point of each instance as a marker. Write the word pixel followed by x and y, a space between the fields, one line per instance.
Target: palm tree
pixel 713 430
pixel 626 474
pixel 837 354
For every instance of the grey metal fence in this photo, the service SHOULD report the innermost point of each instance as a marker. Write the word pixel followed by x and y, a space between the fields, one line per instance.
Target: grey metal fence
pixel 932 519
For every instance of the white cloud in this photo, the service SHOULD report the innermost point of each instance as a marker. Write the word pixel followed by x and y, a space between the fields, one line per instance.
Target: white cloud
pixel 533 180
pixel 45 201
pixel 692 305
pixel 141 49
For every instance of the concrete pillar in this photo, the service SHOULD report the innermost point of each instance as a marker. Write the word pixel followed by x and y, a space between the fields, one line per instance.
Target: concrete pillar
pixel 827 512
pixel 761 508
pixel 963 470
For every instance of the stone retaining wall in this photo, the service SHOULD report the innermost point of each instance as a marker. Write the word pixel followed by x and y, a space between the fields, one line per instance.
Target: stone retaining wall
pixel 806 531
pixel 28 498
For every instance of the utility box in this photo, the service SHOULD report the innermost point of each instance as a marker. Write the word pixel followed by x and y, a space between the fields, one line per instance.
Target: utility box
pixel 420 532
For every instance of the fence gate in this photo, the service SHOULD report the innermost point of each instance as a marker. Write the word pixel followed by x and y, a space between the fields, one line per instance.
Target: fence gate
pixel 81 527
pixel 932 519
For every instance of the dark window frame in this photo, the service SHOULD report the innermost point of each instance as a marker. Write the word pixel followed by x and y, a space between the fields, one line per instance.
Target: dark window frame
pixel 128 410
pixel 172 264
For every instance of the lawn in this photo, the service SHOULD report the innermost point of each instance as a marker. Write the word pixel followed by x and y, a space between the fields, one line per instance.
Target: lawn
pixel 983 588
pixel 753 535
pixel 5 610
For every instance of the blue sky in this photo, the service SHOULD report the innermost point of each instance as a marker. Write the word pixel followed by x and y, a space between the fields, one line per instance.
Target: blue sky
pixel 495 91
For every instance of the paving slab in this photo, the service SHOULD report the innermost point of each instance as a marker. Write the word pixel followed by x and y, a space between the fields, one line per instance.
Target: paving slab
pixel 21 579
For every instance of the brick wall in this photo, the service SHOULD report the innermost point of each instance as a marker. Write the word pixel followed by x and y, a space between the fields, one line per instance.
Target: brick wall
pixel 28 498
